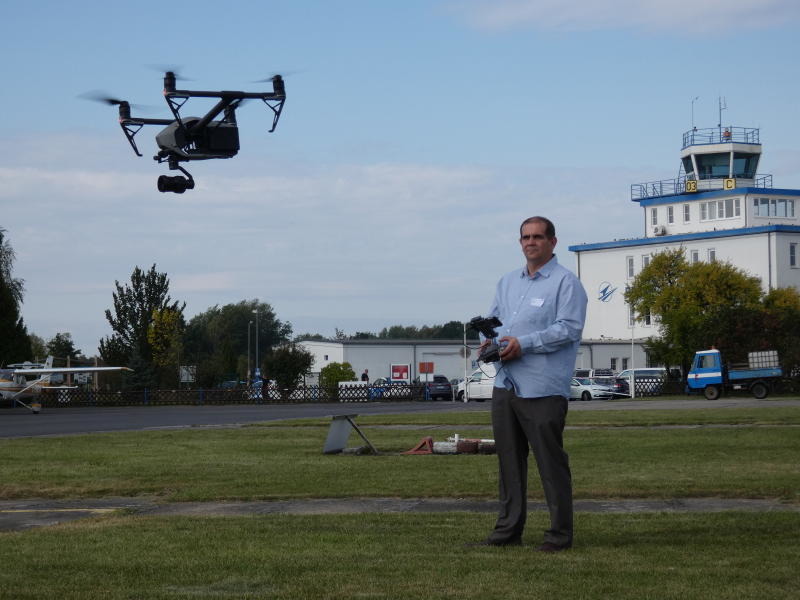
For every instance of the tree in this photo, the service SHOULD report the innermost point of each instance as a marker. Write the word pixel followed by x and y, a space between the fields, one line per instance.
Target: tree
pixel 331 374
pixel 15 345
pixel 62 346
pixel 165 336
pixel 38 346
pixel 318 337
pixel 134 307
pixel 694 305
pixel 216 340
pixel 782 326
pixel 286 365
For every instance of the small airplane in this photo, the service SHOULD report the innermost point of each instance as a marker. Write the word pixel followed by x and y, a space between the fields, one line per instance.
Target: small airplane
pixel 27 380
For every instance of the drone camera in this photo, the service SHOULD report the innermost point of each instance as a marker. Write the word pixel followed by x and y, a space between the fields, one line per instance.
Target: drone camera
pixel 177 184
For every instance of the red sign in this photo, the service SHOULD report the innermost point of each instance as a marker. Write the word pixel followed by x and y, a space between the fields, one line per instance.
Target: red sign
pixel 401 372
pixel 426 367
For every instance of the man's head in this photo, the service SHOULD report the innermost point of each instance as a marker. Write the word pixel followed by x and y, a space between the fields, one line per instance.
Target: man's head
pixel 537 236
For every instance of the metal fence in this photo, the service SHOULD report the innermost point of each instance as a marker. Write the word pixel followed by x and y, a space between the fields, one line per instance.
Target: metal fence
pixel 269 395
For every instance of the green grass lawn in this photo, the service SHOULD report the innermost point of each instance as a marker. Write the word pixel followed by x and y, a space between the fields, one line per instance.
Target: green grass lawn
pixel 627 556
pixel 253 463
pixel 739 453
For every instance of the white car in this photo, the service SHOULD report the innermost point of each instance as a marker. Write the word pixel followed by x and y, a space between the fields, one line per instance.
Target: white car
pixel 480 383
pixel 584 388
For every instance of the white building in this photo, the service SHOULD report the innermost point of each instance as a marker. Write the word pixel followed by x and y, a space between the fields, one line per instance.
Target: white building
pixel 718 208
pixel 447 356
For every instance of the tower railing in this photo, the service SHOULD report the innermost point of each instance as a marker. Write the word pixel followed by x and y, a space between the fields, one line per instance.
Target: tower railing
pixel 720 135
pixel 672 187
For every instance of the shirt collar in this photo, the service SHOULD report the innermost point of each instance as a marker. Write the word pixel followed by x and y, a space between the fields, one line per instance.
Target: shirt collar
pixel 544 271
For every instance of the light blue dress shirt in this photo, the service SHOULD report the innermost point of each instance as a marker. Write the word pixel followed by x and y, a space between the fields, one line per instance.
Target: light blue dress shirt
pixel 546 314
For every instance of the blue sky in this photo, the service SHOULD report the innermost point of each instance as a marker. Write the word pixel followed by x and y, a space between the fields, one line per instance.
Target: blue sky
pixel 415 138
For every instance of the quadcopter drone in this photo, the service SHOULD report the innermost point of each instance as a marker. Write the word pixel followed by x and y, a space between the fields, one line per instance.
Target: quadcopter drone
pixel 196 138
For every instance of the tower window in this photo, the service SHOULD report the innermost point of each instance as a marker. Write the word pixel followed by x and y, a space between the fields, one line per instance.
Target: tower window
pixel 686 213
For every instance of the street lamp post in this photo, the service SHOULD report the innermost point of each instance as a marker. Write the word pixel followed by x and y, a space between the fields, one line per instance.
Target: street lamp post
pixel 248 352
pixel 258 365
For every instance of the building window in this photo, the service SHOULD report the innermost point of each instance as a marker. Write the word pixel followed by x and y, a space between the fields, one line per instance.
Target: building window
pixel 712 255
pixel 645 260
pixel 720 209
pixel 653 216
pixel 793 255
pixel 629 266
pixel 613 364
pixel 686 213
pixel 695 256
pixel 325 357
pixel 648 320
pixel 624 363
pixel 631 317
pixel 773 207
pixel 670 215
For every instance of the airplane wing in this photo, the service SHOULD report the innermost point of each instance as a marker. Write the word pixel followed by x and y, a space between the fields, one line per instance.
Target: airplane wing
pixel 51 371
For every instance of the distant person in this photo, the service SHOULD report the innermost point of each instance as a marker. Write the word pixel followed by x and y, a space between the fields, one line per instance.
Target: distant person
pixel 726 135
pixel 365 375
pixel 543 308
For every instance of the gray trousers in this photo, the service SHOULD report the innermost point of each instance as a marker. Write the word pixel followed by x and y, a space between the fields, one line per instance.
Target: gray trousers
pixel 538 422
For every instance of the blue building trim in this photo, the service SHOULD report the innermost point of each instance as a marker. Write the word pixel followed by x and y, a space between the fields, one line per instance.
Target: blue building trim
pixel 687 237
pixel 715 194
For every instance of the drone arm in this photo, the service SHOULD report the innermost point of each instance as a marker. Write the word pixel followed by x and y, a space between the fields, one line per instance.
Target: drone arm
pixel 130 129
pixel 276 110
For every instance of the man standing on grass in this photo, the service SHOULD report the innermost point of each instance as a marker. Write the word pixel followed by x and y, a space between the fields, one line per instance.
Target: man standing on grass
pixel 543 308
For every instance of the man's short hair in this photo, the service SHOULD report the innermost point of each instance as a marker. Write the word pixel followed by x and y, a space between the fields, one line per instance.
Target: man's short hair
pixel 549 228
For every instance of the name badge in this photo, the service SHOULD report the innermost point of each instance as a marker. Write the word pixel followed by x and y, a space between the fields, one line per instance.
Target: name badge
pixel 537 302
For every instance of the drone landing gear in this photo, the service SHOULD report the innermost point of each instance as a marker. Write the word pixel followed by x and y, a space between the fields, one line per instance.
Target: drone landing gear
pixel 177 183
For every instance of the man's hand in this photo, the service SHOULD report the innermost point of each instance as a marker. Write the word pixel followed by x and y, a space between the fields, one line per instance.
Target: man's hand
pixel 511 350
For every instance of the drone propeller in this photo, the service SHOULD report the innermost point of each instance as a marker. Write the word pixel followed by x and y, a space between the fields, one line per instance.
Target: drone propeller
pixel 269 79
pixel 174 69
pixel 105 98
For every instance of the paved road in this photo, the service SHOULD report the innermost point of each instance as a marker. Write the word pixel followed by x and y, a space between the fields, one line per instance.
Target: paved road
pixel 19 422
pixel 17 515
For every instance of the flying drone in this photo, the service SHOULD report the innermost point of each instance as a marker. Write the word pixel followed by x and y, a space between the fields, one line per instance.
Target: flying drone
pixel 196 138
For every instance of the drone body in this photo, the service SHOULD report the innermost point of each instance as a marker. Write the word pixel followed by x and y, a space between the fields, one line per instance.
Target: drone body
pixel 185 139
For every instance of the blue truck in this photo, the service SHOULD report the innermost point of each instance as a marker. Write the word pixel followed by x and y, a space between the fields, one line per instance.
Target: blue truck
pixel 710 376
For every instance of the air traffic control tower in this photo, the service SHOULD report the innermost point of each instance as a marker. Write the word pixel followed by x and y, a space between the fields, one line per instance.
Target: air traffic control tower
pixel 718 208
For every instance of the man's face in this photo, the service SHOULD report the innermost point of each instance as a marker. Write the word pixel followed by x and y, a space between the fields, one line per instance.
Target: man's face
pixel 536 246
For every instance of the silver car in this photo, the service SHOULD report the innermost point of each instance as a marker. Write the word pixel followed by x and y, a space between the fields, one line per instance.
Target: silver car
pixel 583 388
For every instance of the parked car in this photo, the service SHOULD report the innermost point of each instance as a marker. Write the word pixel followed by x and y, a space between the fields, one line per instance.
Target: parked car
pixel 439 388
pixel 584 388
pixel 480 383
pixel 593 373
pixel 649 381
pixel 383 387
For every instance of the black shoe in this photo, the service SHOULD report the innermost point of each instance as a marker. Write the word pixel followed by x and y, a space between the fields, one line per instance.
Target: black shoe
pixel 491 542
pixel 551 547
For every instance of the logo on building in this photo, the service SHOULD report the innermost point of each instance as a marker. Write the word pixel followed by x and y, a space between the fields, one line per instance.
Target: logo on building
pixel 605 292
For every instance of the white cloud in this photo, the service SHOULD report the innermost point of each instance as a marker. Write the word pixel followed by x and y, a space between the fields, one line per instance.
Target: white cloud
pixel 646 15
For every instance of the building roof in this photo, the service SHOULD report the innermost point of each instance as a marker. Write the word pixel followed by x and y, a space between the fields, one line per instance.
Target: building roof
pixel 685 237
pixel 705 195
